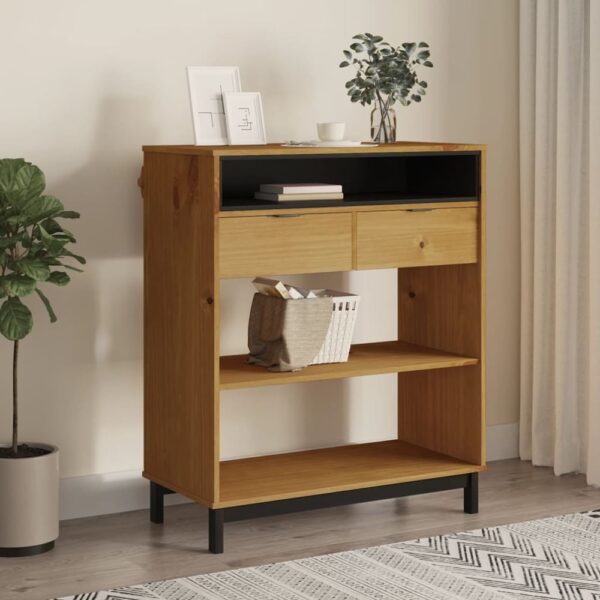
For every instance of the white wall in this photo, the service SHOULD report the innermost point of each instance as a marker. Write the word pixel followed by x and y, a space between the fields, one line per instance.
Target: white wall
pixel 85 84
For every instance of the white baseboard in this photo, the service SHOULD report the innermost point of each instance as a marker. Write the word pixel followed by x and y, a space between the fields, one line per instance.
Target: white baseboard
pixel 105 493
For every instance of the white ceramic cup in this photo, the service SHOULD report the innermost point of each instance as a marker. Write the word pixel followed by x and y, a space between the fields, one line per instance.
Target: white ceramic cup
pixel 331 132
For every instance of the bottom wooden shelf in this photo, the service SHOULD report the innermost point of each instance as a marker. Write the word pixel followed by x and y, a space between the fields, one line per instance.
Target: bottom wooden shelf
pixel 281 476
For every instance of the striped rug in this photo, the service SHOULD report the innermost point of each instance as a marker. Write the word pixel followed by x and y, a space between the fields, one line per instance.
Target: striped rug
pixel 556 558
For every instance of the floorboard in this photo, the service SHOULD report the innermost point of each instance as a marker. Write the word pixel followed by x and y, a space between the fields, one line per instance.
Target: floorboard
pixel 124 549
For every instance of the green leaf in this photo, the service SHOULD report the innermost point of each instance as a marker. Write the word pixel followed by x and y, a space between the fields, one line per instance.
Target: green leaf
pixel 14 220
pixel 78 258
pixel 69 214
pixel 9 167
pixel 71 268
pixel 34 267
pixel 56 230
pixel 428 63
pixel 357 47
pixel 17 284
pixel 58 278
pixel 344 63
pixel 20 181
pixel 42 207
pixel 10 241
pixel 51 226
pixel 53 245
pixel 347 54
pixel 47 304
pixel 29 183
pixel 65 236
pixel 15 319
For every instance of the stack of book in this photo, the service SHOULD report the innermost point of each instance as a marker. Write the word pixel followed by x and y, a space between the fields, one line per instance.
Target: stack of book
pixel 292 192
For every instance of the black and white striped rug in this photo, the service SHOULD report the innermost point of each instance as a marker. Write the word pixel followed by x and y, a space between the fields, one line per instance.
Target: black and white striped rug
pixel 556 558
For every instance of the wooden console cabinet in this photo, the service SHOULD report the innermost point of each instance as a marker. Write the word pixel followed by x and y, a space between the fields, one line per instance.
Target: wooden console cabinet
pixel 418 208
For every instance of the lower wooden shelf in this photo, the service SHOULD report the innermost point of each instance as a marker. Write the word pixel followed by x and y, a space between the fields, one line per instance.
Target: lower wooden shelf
pixel 311 472
pixel 365 359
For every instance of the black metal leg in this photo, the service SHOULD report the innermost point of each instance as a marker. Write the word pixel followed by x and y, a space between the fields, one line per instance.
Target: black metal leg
pixel 217 516
pixel 472 494
pixel 157 503
pixel 216 522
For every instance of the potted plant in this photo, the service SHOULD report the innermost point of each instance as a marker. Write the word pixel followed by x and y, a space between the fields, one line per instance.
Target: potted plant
pixel 385 75
pixel 33 251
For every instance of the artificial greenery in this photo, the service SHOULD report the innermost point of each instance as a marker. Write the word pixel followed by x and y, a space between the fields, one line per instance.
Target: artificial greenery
pixel 385 74
pixel 33 250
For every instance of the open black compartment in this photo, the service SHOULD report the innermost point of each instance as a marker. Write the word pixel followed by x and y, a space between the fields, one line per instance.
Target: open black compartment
pixel 366 178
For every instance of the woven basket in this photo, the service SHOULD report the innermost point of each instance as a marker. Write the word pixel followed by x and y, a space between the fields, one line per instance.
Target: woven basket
pixel 339 335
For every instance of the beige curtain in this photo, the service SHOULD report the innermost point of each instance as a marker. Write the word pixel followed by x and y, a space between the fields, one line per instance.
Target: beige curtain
pixel 560 230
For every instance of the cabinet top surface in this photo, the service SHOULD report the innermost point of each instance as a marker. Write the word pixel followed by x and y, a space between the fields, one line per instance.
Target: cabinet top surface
pixel 278 149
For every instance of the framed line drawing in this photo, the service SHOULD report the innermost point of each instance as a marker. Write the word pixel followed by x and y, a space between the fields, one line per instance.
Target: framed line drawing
pixel 207 86
pixel 244 118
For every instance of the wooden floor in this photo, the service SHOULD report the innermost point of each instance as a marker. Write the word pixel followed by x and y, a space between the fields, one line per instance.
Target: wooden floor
pixel 116 550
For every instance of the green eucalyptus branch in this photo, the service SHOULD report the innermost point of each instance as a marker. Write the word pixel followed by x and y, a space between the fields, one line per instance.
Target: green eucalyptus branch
pixel 384 70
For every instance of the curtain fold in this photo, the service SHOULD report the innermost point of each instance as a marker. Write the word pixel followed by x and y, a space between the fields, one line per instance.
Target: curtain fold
pixel 560 275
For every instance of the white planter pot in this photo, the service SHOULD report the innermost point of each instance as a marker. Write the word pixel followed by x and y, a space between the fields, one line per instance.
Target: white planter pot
pixel 29 503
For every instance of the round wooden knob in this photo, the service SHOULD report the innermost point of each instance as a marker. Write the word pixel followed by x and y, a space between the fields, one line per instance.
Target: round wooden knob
pixel 421 244
pixel 209 300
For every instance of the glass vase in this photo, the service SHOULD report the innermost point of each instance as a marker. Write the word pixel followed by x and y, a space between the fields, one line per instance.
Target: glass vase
pixel 383 124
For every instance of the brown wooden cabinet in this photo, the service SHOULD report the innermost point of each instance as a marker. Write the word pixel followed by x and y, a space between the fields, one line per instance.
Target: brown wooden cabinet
pixel 416 207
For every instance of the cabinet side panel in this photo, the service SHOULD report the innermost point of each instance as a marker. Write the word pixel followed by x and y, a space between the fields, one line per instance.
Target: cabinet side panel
pixel 441 410
pixel 180 408
pixel 443 307
pixel 440 307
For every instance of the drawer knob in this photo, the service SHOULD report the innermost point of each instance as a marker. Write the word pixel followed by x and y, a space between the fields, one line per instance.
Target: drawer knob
pixel 421 244
pixel 209 300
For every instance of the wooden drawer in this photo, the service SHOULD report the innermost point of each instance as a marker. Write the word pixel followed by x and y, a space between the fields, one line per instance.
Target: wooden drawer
pixel 413 238
pixel 299 243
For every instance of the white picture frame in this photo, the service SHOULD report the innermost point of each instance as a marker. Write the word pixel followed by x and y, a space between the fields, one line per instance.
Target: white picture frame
pixel 206 87
pixel 244 118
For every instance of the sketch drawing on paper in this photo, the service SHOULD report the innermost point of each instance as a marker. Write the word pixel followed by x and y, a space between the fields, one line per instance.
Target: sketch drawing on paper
pixel 207 86
pixel 245 123
pixel 244 118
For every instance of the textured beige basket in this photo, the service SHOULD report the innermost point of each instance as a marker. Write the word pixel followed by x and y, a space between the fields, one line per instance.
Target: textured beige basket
pixel 339 335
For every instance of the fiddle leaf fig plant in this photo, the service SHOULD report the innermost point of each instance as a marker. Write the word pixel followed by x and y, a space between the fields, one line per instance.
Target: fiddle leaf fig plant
pixel 34 254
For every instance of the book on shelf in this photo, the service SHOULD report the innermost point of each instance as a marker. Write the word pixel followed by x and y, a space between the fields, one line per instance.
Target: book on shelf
pixel 301 188
pixel 274 197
